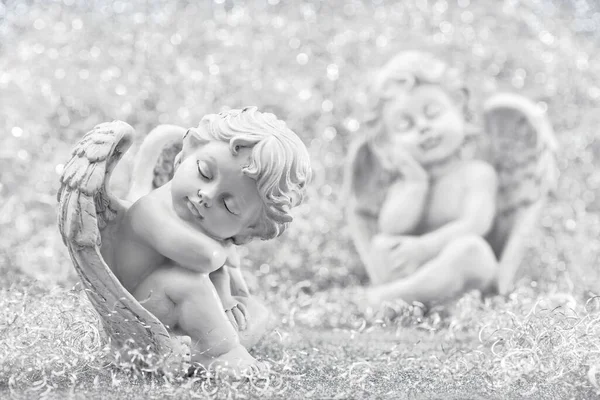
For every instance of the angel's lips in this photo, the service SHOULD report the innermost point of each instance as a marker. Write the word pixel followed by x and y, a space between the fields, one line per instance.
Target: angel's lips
pixel 430 143
pixel 193 209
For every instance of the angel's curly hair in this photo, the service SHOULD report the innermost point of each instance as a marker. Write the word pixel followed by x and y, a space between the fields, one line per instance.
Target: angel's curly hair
pixel 279 163
pixel 409 69
pixel 406 70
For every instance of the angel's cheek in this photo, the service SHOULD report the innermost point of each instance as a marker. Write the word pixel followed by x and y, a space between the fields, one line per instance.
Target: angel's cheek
pixel 452 137
pixel 221 227
pixel 405 143
pixel 451 143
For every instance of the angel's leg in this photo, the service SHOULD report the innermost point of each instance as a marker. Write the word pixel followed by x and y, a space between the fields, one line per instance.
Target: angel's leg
pixel 466 263
pixel 232 289
pixel 381 257
pixel 188 302
pixel 222 284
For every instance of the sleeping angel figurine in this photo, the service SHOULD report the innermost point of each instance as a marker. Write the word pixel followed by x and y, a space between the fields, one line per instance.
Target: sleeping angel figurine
pixel 435 207
pixel 160 266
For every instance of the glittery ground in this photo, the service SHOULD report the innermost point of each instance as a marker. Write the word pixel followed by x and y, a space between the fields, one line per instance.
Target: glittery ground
pixel 65 66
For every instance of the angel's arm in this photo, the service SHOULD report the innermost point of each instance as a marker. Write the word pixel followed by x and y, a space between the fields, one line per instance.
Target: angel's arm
pixel 177 241
pixel 403 207
pixel 237 281
pixel 239 287
pixel 406 198
pixel 478 210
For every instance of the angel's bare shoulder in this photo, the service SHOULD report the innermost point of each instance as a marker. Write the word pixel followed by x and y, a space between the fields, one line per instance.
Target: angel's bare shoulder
pixel 479 174
pixel 148 215
pixel 154 223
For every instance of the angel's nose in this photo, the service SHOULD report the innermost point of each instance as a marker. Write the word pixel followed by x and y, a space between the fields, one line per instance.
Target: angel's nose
pixel 422 125
pixel 206 198
pixel 425 130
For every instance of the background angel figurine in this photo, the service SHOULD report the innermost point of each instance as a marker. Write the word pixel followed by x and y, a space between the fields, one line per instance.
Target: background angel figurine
pixel 432 212
pixel 163 261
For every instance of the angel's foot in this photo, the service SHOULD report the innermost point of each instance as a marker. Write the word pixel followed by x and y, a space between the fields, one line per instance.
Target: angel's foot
pixel 257 321
pixel 180 359
pixel 478 265
pixel 236 363
pixel 377 263
pixel 366 299
pixel 372 297
pixel 485 278
pixel 383 307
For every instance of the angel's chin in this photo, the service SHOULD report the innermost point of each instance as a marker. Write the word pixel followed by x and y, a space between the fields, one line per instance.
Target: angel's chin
pixel 438 153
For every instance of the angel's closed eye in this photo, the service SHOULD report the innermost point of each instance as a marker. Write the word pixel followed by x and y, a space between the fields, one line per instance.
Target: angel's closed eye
pixel 204 170
pixel 432 110
pixel 230 205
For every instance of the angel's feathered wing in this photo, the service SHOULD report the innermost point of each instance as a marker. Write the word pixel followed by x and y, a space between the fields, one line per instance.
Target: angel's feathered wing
pixel 521 146
pixel 88 213
pixel 154 164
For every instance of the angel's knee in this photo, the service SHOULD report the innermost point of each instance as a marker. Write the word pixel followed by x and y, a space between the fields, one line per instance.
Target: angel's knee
pixel 475 259
pixel 152 296
pixel 377 264
pixel 471 247
pixel 381 242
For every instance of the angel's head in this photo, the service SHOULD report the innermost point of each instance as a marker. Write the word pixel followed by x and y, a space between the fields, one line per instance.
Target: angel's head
pixel 418 103
pixel 239 174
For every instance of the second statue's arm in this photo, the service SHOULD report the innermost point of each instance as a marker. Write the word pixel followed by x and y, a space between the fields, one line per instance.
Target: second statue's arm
pixel 405 199
pixel 403 207
pixel 478 211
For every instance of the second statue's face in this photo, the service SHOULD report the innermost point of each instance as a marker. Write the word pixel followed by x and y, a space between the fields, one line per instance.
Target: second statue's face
pixel 210 191
pixel 424 121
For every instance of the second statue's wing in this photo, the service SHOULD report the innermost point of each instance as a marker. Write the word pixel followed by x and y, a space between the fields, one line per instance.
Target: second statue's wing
pixel 521 147
pixel 154 163
pixel 88 214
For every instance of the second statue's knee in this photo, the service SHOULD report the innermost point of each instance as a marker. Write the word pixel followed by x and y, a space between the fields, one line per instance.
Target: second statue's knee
pixel 472 247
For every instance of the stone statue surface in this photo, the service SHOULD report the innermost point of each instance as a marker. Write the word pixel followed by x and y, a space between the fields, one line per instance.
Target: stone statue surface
pixel 439 204
pixel 160 266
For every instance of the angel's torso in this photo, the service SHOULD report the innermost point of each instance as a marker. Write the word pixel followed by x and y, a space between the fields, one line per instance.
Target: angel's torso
pixel 444 200
pixel 447 196
pixel 134 258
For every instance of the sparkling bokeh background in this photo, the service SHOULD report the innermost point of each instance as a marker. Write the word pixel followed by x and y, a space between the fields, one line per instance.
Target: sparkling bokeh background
pixel 66 66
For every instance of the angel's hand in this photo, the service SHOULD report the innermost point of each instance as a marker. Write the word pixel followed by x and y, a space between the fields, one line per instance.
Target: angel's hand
pixel 410 168
pixel 403 252
pixel 411 252
pixel 237 313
